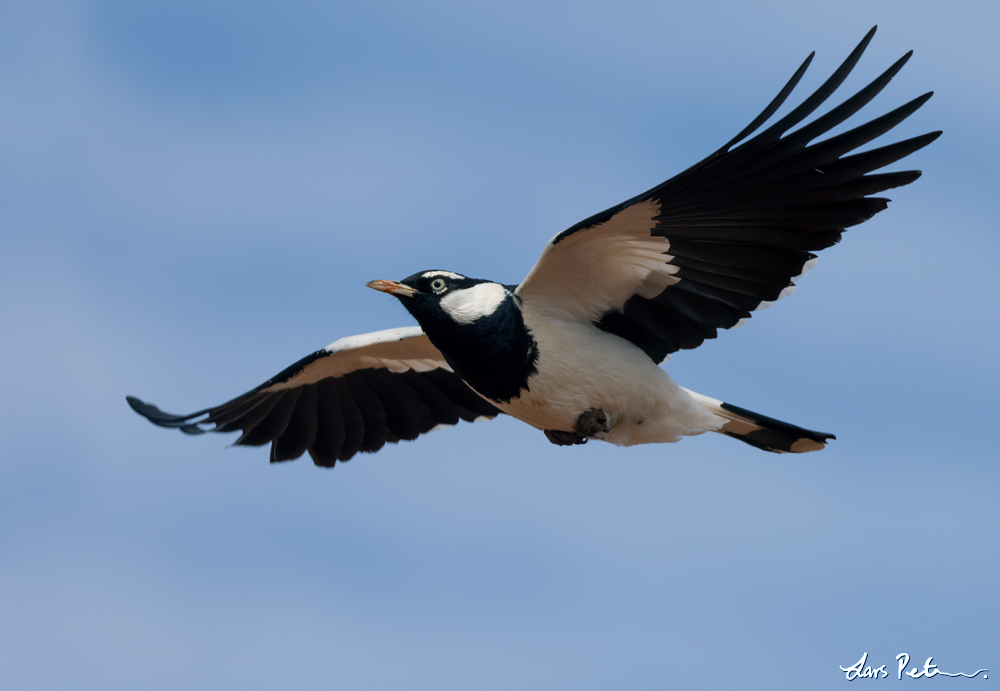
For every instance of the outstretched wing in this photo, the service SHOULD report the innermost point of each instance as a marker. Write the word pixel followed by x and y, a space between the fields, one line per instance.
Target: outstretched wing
pixel 731 234
pixel 354 395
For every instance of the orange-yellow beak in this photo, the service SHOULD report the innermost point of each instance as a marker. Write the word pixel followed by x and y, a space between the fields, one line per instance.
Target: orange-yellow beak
pixel 391 287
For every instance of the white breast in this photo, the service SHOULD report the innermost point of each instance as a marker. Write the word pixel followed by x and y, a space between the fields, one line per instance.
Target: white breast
pixel 581 367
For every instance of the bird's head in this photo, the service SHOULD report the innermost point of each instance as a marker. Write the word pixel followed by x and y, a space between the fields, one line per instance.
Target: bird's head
pixel 445 296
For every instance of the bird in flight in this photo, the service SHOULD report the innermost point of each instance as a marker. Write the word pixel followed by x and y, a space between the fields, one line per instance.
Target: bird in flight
pixel 574 349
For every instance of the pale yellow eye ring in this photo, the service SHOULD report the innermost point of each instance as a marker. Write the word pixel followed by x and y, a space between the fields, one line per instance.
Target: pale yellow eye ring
pixel 438 285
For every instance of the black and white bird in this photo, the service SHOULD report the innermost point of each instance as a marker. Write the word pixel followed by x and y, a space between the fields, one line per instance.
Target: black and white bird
pixel 574 349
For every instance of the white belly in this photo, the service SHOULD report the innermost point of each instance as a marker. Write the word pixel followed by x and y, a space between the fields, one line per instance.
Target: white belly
pixel 581 367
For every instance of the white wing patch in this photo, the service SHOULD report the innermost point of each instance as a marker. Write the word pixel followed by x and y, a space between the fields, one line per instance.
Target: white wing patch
pixel 469 304
pixel 597 269
pixel 397 350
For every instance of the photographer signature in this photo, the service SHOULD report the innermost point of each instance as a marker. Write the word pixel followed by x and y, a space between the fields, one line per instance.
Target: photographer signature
pixel 859 670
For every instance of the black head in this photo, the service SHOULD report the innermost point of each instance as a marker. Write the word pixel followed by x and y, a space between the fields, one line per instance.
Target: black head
pixel 477 325
pixel 445 296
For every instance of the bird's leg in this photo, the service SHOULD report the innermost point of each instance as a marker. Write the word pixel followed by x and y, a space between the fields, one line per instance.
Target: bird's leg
pixel 591 422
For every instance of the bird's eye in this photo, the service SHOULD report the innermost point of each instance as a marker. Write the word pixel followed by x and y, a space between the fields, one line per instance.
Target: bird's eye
pixel 438 285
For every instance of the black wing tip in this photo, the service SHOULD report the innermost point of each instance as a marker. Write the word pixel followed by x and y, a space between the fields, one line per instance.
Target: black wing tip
pixel 919 142
pixel 805 65
pixel 151 412
pixel 898 65
pixel 162 419
pixel 919 100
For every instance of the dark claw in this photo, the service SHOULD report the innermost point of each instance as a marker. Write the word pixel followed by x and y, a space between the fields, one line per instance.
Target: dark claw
pixel 560 438
pixel 590 423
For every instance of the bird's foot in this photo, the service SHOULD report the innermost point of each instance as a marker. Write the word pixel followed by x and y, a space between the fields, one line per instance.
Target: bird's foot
pixel 592 422
pixel 560 438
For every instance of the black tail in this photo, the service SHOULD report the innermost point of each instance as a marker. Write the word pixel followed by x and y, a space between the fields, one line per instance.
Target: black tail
pixel 762 431
pixel 769 434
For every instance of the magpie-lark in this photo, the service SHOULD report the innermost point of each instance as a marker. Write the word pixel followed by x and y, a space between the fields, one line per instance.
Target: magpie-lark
pixel 574 350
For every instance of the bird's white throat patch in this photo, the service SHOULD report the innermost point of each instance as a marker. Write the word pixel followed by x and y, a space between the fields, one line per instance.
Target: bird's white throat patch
pixel 469 304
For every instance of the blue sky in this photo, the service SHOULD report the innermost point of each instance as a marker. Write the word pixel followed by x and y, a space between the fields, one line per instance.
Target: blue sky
pixel 192 196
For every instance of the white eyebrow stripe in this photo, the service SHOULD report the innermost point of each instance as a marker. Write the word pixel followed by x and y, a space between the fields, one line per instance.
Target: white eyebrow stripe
pixel 446 274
